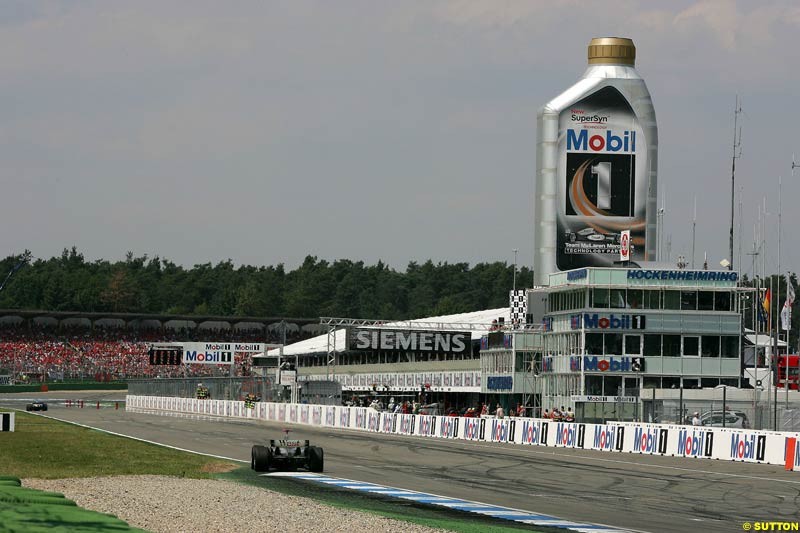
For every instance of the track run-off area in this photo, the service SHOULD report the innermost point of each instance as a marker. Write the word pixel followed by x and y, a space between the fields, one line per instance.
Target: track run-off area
pixel 636 492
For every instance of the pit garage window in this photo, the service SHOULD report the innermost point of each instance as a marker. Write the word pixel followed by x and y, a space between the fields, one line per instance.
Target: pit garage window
pixel 633 345
pixel 710 346
pixel 618 299
pixel 688 300
pixel 594 343
pixel 651 300
pixel 671 382
pixel 672 299
pixel 691 346
pixel 652 345
pixel 613 344
pixel 594 385
pixel 705 301
pixel 672 345
pixel 635 298
pixel 599 299
pixel 722 301
pixel 729 346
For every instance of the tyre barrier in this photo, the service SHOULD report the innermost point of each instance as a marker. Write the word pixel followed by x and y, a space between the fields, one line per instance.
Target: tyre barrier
pixel 729 444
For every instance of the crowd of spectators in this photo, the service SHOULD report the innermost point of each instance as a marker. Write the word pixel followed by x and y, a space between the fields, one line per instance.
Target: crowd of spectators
pixel 44 353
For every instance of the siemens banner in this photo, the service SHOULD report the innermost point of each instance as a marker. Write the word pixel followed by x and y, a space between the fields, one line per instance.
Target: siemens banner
pixel 454 342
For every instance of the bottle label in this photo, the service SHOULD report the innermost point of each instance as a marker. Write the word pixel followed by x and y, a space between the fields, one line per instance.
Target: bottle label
pixel 602 167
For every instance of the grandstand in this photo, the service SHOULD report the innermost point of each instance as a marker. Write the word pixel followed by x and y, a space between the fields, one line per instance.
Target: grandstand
pixel 55 346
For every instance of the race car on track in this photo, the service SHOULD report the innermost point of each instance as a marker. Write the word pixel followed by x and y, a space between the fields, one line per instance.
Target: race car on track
pixel 36 406
pixel 286 454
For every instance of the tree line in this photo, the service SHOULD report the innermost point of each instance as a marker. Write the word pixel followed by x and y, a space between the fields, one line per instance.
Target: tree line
pixel 316 288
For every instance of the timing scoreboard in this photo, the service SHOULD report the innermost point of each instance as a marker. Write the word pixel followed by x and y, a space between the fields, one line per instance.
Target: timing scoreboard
pixel 166 354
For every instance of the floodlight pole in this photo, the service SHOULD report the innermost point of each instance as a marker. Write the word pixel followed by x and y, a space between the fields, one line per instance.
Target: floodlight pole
pixel 514 287
pixel 737 143
pixel 694 228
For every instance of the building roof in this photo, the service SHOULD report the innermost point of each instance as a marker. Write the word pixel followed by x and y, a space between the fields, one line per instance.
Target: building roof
pixel 762 340
pixel 479 322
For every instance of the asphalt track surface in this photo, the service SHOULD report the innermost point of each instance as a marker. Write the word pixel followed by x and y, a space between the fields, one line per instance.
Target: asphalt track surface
pixel 639 492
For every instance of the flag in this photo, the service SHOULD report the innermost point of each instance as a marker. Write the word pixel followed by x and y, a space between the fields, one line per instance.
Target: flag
pixel 786 316
pixel 766 301
pixel 762 316
pixel 786 312
pixel 763 310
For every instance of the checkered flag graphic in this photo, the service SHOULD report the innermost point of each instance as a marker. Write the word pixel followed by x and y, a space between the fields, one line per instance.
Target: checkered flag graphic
pixel 519 307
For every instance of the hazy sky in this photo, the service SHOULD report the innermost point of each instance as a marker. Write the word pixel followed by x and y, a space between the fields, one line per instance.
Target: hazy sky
pixel 266 131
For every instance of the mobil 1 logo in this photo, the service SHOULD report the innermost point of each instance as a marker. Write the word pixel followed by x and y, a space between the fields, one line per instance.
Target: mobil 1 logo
pixel 600 184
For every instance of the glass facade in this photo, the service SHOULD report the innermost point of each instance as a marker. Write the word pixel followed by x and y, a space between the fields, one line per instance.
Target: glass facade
pixel 615 331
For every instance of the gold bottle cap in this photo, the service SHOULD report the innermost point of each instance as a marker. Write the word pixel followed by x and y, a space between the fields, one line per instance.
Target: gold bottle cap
pixel 612 50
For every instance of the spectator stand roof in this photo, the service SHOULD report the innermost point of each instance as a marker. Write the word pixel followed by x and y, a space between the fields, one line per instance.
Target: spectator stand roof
pixel 129 317
pixel 478 322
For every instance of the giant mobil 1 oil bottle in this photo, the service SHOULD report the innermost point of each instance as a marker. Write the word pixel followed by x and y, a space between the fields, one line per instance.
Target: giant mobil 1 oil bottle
pixel 596 161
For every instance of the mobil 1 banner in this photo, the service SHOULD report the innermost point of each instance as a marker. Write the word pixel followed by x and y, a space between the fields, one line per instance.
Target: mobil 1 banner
pixel 208 353
pixel 603 176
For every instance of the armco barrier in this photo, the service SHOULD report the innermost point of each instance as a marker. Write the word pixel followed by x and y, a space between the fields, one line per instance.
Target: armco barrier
pixel 726 444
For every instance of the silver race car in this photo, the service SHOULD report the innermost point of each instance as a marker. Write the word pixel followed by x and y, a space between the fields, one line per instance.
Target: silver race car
pixel 286 454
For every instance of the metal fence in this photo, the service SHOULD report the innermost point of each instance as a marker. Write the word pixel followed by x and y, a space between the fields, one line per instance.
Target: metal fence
pixel 713 414
pixel 789 419
pixel 218 388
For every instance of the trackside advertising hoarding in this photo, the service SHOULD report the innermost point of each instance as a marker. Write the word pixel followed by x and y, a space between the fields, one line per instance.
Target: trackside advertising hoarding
pixel 383 340
pixel 208 353
pixel 726 444
pixel 218 353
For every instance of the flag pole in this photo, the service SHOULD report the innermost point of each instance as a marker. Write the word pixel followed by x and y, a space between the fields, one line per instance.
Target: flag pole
pixel 788 331
pixel 777 303
pixel 755 300
pixel 773 361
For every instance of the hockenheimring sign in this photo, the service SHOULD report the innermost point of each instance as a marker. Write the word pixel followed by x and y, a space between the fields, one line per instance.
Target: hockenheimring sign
pixel 408 341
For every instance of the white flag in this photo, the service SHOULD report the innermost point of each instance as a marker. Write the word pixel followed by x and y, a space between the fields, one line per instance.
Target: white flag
pixel 786 312
pixel 786 316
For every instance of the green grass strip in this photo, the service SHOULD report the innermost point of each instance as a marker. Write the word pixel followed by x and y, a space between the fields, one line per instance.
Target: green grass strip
pixel 32 518
pixel 49 449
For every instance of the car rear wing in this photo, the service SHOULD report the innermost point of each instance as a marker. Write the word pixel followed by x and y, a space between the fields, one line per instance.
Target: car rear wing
pixel 287 443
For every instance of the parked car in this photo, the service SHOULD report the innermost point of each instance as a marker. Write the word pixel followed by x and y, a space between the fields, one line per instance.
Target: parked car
pixel 666 419
pixel 733 419
pixel 431 409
